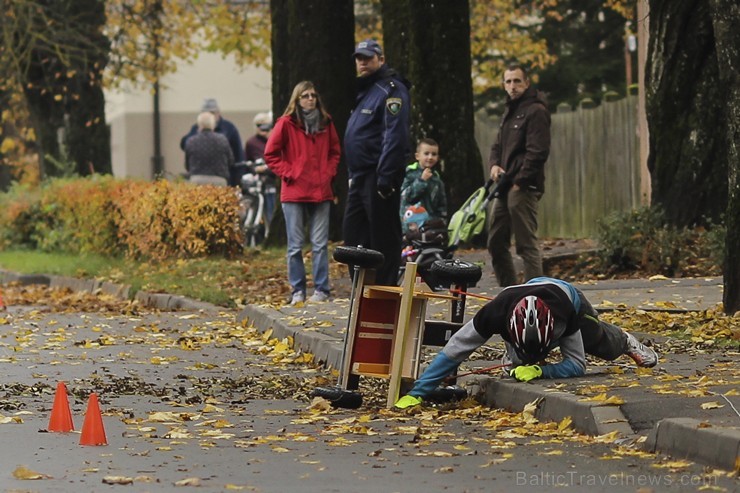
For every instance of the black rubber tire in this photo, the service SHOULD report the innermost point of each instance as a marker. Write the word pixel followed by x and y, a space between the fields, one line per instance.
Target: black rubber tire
pixel 362 257
pixel 447 394
pixel 456 271
pixel 346 399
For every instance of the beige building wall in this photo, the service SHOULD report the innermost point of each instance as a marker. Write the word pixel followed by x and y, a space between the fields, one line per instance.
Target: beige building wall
pixel 240 95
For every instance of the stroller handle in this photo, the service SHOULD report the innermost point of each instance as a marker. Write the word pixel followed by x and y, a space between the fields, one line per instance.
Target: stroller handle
pixel 490 189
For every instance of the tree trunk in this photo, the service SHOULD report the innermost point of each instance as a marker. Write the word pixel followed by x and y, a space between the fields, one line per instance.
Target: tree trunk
pixel 46 115
pixel 313 40
pixel 686 109
pixel 88 136
pixel 63 89
pixel 726 22
pixel 396 44
pixel 429 43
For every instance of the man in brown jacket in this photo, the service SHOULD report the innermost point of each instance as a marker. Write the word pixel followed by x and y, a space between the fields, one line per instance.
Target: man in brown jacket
pixel 517 164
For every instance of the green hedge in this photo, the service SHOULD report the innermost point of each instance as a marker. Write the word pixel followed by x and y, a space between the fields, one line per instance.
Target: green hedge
pixel 643 239
pixel 108 216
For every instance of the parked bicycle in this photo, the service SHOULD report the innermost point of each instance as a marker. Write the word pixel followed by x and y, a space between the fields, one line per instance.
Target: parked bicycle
pixel 254 220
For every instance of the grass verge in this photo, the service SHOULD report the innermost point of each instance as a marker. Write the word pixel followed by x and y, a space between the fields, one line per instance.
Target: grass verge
pixel 257 276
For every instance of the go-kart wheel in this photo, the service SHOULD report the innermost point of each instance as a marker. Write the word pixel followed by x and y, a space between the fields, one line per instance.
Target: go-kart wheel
pixel 456 271
pixel 339 397
pixel 447 394
pixel 357 255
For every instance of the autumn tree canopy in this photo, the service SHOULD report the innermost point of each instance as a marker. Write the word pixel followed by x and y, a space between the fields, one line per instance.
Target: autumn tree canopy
pixel 54 52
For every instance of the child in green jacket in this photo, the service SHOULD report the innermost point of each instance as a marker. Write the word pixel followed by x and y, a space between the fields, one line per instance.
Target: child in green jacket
pixel 423 188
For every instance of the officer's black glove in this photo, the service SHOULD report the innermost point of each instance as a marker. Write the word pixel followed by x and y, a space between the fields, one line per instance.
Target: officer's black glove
pixel 385 191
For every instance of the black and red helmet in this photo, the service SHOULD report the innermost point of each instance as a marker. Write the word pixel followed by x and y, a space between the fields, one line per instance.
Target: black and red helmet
pixel 531 328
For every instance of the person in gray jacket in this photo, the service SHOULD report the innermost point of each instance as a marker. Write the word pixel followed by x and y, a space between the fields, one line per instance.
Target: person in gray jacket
pixel 208 157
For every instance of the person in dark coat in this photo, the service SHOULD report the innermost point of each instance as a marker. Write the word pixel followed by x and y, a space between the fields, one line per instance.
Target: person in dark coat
pixel 254 151
pixel 517 163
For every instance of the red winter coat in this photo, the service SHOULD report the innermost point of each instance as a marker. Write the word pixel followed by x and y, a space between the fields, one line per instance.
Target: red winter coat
pixel 306 164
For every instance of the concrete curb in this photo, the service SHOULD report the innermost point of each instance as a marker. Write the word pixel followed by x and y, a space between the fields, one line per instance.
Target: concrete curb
pixel 24 279
pixel 159 301
pixel 326 349
pixel 689 438
pixel 588 417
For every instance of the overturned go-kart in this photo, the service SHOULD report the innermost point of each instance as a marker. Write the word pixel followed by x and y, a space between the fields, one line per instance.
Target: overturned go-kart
pixel 344 394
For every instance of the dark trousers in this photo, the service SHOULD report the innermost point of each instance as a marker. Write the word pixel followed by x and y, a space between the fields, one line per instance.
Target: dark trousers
pixel 373 222
pixel 515 215
pixel 601 339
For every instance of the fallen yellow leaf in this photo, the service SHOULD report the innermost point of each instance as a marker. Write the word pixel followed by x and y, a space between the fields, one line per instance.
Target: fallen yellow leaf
pixel 676 464
pixel 118 480
pixel 24 473
pixel 603 399
pixel 658 277
pixel 188 482
pixel 712 405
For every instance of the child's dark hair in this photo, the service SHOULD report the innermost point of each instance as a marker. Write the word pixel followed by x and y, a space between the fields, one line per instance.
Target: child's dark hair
pixel 427 141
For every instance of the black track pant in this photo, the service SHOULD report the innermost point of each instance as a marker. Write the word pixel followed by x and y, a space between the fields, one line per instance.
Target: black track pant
pixel 601 339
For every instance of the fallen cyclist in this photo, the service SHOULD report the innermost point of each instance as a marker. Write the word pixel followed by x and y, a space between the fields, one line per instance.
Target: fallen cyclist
pixel 532 319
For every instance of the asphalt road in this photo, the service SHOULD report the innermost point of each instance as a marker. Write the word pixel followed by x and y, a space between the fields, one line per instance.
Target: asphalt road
pixel 196 399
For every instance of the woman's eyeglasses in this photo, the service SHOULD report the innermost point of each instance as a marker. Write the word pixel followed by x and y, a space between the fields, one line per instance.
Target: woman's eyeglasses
pixel 309 95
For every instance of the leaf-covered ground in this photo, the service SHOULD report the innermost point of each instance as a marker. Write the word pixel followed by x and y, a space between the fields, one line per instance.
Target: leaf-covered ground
pixel 177 387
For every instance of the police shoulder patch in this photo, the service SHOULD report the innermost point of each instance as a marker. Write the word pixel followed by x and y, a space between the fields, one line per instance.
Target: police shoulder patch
pixel 393 105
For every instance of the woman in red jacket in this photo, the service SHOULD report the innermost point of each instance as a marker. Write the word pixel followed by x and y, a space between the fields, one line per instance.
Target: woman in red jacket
pixel 303 150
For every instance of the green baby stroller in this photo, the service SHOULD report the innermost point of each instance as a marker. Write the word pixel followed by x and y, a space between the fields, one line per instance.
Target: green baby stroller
pixel 470 220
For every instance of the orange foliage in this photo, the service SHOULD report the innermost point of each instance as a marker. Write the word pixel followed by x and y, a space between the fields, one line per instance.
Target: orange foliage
pixel 162 219
pixel 109 216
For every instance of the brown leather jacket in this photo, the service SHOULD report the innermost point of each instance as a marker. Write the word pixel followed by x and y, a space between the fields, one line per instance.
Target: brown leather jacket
pixel 523 141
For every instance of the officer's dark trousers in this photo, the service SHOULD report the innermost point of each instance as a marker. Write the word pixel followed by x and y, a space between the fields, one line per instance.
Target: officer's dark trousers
pixel 374 223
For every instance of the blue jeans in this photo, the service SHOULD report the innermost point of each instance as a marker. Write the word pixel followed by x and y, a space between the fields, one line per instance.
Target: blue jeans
pixel 269 206
pixel 315 215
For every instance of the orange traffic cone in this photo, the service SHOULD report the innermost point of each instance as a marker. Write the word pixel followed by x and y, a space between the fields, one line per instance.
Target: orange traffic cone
pixel 93 432
pixel 61 416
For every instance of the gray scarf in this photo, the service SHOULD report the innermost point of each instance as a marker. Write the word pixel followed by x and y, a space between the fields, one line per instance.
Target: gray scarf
pixel 311 120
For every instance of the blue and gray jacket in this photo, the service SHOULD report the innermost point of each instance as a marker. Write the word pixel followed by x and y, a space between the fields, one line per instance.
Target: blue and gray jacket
pixel 377 136
pixel 564 301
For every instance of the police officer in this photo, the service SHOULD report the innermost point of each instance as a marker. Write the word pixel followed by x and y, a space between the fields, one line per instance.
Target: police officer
pixel 377 147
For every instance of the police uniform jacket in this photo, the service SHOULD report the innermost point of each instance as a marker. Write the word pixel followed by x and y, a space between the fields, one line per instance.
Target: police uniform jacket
pixel 377 135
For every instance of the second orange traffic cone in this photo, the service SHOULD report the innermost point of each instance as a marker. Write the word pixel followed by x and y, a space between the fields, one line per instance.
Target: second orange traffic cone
pixel 93 432
pixel 61 417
